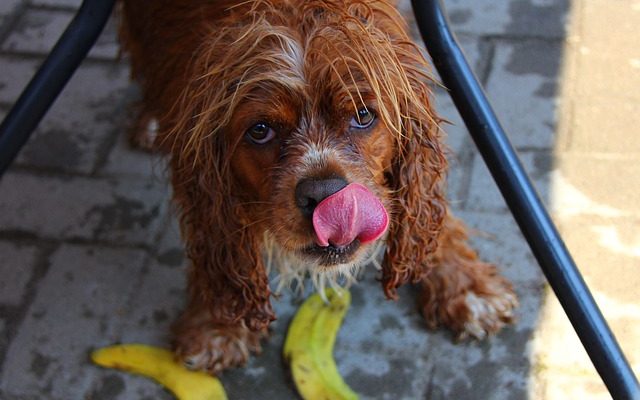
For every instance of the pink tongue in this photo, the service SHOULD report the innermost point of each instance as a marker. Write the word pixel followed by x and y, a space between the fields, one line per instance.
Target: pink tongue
pixel 351 213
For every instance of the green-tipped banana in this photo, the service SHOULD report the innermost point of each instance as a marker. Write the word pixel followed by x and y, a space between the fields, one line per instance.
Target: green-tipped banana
pixel 309 347
pixel 159 365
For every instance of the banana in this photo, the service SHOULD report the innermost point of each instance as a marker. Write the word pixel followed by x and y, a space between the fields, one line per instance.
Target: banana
pixel 159 364
pixel 309 347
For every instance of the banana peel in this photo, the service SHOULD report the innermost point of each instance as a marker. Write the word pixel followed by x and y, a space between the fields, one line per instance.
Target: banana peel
pixel 309 346
pixel 159 364
pixel 308 349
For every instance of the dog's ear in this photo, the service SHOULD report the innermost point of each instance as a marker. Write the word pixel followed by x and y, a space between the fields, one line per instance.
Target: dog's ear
pixel 416 178
pixel 227 274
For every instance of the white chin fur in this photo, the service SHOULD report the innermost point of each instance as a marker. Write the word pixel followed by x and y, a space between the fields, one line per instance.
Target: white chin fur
pixel 293 271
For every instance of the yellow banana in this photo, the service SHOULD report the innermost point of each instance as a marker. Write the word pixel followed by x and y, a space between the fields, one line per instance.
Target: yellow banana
pixel 309 347
pixel 159 364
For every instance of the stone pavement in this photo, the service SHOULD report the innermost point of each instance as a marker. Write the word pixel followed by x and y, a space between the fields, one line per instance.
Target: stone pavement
pixel 90 253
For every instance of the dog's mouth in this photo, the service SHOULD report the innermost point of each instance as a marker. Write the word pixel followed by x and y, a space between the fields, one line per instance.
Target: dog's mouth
pixel 332 255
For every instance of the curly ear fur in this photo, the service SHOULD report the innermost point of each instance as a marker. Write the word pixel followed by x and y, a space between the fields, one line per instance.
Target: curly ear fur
pixel 223 242
pixel 227 273
pixel 416 175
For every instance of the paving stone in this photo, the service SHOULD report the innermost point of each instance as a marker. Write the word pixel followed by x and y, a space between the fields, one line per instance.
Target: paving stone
pixel 16 269
pixel 563 367
pixel 601 125
pixel 399 358
pixel 582 160
pixel 597 240
pixel 57 3
pixel 457 135
pixel 515 17
pixel 7 7
pixel 456 181
pixel 459 144
pixel 170 251
pixel 121 211
pixel 154 307
pixel 37 31
pixel 597 177
pixel 125 160
pixel 384 350
pixel 472 49
pixel 71 315
pixel 484 194
pixel 161 295
pixel 116 385
pixel 522 89
pixel 4 341
pixel 107 46
pixel 466 41
pixel 74 134
pixel 498 240
pixel 16 73
pixel 617 52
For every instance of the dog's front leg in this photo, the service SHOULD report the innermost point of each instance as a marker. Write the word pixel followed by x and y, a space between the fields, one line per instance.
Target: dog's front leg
pixel 202 342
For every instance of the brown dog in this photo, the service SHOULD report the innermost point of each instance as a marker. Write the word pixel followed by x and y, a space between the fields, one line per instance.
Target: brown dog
pixel 304 129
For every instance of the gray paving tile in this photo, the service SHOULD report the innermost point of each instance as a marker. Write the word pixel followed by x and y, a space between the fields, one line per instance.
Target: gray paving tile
pixel 499 240
pixel 57 3
pixel 107 46
pixel 16 269
pixel 156 304
pixel 484 194
pixel 71 314
pixel 456 133
pixel 8 6
pixel 37 31
pixel 153 308
pixel 129 212
pixel 522 88
pixel 513 17
pixel 170 251
pixel 16 73
pixel 125 160
pixel 85 118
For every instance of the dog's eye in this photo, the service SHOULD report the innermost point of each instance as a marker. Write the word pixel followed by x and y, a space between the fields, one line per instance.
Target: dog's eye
pixel 260 133
pixel 363 119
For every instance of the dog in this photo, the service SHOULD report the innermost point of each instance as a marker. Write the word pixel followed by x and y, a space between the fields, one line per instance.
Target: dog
pixel 301 135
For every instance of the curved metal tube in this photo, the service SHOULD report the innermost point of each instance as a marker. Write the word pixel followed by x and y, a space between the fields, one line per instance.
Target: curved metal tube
pixel 522 199
pixel 52 76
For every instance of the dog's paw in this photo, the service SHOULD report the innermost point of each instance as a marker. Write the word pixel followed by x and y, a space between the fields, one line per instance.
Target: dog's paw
pixel 487 313
pixel 214 349
pixel 472 300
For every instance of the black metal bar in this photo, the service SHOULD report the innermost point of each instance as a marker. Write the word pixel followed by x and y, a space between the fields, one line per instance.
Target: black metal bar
pixel 53 75
pixel 528 210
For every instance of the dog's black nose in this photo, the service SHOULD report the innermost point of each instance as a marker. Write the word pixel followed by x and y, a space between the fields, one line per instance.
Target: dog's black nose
pixel 310 192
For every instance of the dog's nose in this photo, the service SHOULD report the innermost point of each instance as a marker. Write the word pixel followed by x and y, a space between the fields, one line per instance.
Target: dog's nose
pixel 310 192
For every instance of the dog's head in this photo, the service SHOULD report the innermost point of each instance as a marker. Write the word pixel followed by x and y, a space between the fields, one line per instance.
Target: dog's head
pixel 311 123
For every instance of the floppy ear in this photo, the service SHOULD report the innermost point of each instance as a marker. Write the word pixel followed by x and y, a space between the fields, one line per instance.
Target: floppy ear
pixel 227 274
pixel 417 180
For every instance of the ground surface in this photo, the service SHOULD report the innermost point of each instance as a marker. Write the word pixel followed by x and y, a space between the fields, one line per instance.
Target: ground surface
pixel 90 254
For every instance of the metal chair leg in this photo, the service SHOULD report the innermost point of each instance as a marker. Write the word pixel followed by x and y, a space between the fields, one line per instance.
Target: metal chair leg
pixel 53 75
pixel 528 210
